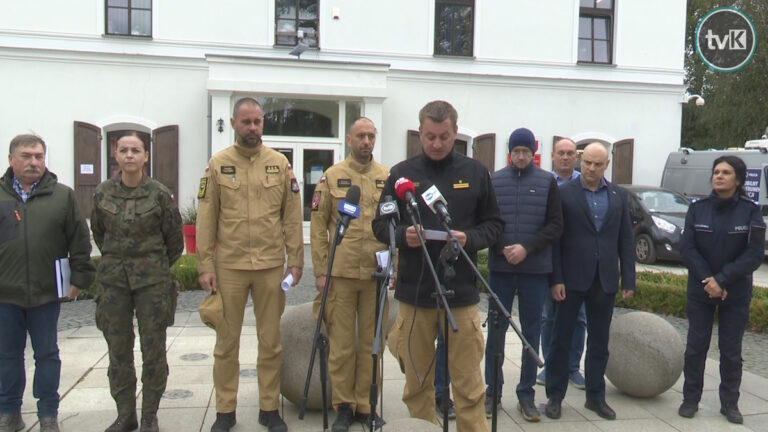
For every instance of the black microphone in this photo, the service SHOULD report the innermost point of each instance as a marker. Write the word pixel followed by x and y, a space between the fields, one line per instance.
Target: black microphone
pixel 348 210
pixel 436 202
pixel 388 208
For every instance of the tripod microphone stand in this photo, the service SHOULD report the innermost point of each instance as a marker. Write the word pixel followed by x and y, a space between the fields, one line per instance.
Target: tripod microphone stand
pixel 383 277
pixel 499 307
pixel 320 342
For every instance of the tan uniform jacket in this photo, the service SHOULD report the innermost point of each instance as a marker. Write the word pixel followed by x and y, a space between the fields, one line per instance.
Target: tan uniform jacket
pixel 355 255
pixel 250 210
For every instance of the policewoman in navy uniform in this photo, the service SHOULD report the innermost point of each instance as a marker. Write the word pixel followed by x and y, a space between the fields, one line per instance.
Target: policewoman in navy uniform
pixel 722 244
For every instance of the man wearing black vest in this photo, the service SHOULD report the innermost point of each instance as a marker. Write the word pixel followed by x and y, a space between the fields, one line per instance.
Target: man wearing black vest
pixel 521 261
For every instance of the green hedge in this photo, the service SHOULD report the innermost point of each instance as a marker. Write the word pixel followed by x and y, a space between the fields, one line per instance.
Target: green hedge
pixel 665 293
pixel 184 271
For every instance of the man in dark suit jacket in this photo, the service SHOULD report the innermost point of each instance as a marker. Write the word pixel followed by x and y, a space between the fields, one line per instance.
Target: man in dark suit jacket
pixel 597 242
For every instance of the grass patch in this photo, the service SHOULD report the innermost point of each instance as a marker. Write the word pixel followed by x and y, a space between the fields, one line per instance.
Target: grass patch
pixel 665 293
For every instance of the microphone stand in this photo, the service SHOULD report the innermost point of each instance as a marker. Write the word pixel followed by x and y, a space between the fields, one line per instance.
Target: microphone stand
pixel 440 293
pixel 320 342
pixel 383 278
pixel 496 322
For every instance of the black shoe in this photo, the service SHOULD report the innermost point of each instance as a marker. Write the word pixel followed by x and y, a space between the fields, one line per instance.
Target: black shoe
pixel 439 409
pixel 732 413
pixel 124 423
pixel 688 409
pixel 552 409
pixel 529 411
pixel 11 422
pixel 149 422
pixel 489 405
pixel 601 408
pixel 273 421
pixel 49 424
pixel 225 421
pixel 365 419
pixel 343 419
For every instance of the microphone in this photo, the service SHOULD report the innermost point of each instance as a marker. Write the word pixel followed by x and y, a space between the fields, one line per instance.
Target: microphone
pixel 348 210
pixel 404 189
pixel 388 208
pixel 436 202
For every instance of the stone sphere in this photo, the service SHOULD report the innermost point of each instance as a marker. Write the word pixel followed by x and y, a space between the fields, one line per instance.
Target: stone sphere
pixel 411 424
pixel 297 328
pixel 646 354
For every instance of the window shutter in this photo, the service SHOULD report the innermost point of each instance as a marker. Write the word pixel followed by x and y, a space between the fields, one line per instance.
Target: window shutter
pixel 622 161
pixel 87 164
pixel 165 157
pixel 413 144
pixel 484 150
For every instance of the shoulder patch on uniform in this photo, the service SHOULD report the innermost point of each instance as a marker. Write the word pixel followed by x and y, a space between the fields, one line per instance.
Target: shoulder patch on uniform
pixel 461 185
pixel 228 169
pixel 344 182
pixel 203 188
pixel 272 169
pixel 294 185
pixel 380 183
pixel 322 180
pixel 316 200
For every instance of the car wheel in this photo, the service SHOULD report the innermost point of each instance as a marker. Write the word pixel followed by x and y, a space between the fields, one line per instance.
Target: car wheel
pixel 644 249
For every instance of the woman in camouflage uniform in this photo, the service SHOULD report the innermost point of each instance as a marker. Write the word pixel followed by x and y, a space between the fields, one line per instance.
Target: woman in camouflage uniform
pixel 137 227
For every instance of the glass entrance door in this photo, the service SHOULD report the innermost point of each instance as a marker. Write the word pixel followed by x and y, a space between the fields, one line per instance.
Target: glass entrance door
pixel 309 161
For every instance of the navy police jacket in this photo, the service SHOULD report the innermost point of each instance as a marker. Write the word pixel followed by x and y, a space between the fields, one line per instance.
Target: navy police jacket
pixel 724 238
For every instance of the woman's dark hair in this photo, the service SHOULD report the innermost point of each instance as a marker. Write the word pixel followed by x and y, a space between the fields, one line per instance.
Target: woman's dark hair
pixel 136 135
pixel 739 168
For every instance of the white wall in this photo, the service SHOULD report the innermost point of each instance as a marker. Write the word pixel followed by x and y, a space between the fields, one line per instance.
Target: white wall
pixel 50 95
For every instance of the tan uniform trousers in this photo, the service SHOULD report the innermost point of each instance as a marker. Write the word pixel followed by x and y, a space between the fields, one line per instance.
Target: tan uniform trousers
pixel 350 366
pixel 268 305
pixel 412 342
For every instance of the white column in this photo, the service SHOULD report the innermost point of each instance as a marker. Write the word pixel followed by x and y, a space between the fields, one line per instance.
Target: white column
pixel 221 105
pixel 373 108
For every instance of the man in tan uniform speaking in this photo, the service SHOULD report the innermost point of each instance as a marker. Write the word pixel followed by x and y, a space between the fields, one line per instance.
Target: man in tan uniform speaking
pixel 250 210
pixel 352 292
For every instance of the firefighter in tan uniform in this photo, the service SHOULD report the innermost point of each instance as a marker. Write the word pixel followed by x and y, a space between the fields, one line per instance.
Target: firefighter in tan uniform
pixel 249 219
pixel 352 296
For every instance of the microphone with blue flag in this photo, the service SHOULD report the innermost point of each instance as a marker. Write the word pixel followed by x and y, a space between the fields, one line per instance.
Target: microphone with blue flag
pixel 348 210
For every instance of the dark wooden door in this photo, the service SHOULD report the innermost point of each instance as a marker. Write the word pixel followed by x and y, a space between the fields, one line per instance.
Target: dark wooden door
pixel 484 150
pixel 87 164
pixel 165 157
pixel 622 161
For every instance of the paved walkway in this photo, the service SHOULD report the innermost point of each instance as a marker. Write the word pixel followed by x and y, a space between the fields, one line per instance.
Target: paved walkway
pixel 189 402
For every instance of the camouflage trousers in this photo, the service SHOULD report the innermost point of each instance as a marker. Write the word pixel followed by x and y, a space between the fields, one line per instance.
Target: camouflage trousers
pixel 154 306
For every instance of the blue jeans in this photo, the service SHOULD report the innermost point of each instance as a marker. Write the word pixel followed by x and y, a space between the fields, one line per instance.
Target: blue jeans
pixel 40 322
pixel 440 368
pixel 579 333
pixel 531 290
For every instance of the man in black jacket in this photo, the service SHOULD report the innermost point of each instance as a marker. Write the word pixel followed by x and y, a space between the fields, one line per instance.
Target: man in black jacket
pixel 40 223
pixel 465 184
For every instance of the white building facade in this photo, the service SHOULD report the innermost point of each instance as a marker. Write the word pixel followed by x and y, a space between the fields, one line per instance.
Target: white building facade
pixel 81 72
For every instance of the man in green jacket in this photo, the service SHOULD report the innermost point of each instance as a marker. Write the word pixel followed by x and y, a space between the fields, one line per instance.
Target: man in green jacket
pixel 40 223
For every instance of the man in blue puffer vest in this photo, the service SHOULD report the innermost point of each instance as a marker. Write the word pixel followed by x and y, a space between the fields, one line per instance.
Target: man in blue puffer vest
pixel 521 261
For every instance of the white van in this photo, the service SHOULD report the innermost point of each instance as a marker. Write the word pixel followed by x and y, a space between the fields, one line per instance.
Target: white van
pixel 689 172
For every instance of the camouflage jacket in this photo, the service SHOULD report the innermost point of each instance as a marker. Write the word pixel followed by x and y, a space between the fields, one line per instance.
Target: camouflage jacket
pixel 138 231
pixel 33 234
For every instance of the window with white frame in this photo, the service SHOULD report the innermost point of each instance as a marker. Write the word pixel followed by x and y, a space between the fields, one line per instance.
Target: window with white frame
pixel 128 18
pixel 296 20
pixel 596 31
pixel 454 27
